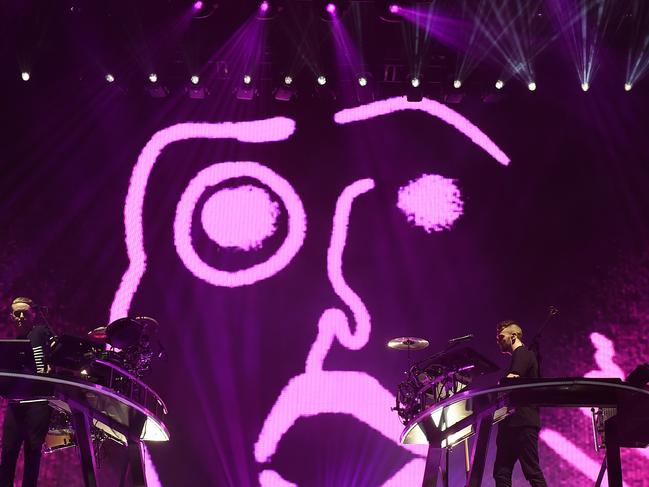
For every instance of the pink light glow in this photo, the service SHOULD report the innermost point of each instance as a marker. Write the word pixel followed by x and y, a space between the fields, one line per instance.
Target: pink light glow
pixel 394 9
pixel 198 5
pixel 264 6
pixel 331 8
pixel 566 449
pixel 573 455
pixel 436 109
pixel 352 393
pixel 270 478
pixel 240 217
pixel 431 201
pixel 269 130
pixel 214 175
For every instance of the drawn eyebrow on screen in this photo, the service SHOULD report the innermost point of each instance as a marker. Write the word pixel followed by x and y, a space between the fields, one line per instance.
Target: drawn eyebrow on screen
pixel 432 107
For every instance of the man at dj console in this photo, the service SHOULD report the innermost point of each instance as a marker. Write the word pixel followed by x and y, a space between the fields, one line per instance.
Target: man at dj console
pixel 26 422
pixel 518 434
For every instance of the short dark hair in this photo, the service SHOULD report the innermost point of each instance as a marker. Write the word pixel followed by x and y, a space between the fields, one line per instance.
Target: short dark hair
pixel 507 323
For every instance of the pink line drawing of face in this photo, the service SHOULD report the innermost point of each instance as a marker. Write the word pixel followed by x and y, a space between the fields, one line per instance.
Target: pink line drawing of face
pixel 358 394
pixel 353 393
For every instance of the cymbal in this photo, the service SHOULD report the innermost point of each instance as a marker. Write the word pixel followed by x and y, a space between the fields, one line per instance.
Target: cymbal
pixel 124 332
pixel 98 333
pixel 408 343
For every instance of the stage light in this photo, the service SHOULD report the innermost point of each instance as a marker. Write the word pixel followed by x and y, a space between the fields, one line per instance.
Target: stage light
pixel 415 82
pixel 331 8
pixel 247 79
pixel 285 92
pixel 394 9
pixel 500 84
pixel 322 80
pixel 194 79
pixel 457 84
pixel 25 75
pixel 109 77
pixel 531 86
pixel 264 6
pixel 362 81
pixel 153 78
pixel 198 5
pixel 627 86
pixel 585 86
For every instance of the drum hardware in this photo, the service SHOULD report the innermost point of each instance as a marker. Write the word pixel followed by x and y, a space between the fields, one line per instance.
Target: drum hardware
pixel 438 377
pixel 98 333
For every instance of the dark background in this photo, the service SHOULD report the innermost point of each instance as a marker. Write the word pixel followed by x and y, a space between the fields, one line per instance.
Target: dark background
pixel 565 224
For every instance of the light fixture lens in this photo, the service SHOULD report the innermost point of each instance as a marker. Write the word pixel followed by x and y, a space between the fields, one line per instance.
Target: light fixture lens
pixel 457 84
pixel 394 9
pixel 628 86
pixel 288 80
pixel 331 8
pixel 247 79
pixel 531 86
pixel 153 78
pixel 585 86
pixel 109 77
pixel 415 82
pixel 322 80
pixel 362 81
pixel 195 79
pixel 264 6
pixel 25 76
pixel 500 84
pixel 198 5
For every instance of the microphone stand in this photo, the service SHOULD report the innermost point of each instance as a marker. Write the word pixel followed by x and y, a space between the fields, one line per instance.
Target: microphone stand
pixel 535 345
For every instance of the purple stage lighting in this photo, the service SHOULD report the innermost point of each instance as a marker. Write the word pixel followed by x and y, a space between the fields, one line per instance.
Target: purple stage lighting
pixel 198 5
pixel 627 86
pixel 331 8
pixel 264 6
pixel 394 9
pixel 153 78
pixel 109 77
pixel 25 75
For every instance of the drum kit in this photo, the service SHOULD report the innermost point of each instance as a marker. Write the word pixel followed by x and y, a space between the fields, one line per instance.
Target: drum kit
pixel 437 377
pixel 116 356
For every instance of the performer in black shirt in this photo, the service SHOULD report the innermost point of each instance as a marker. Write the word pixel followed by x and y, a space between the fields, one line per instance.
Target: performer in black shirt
pixel 26 422
pixel 518 434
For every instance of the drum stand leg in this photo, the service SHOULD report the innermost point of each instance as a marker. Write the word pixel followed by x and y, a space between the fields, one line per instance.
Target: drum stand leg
pixel 479 455
pixel 81 424
pixel 433 461
pixel 136 461
pixel 613 461
pixel 600 476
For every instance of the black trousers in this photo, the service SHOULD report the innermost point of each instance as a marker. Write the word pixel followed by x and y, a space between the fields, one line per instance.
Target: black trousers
pixel 518 444
pixel 26 423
